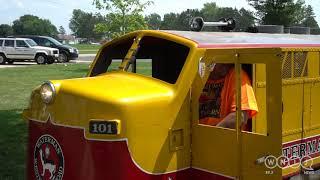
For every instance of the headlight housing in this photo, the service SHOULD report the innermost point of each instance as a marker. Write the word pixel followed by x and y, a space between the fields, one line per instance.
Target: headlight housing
pixel 71 50
pixel 47 92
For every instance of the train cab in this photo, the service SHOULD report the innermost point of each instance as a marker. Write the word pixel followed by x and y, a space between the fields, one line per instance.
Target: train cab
pixel 138 114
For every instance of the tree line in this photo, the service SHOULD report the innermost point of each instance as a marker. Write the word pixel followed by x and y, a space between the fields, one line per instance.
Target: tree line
pixel 29 24
pixel 284 12
pixel 123 16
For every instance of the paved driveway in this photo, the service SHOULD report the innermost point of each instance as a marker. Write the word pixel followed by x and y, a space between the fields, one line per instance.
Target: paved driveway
pixel 85 58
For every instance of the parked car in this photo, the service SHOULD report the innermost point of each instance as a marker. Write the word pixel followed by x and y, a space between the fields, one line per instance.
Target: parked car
pixel 66 53
pixel 12 49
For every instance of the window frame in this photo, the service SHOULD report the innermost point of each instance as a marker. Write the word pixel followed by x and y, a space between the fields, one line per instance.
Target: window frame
pixel 6 40
pixel 44 40
pixel 25 44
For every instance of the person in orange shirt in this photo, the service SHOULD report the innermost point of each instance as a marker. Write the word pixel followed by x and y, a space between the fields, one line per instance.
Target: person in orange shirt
pixel 218 99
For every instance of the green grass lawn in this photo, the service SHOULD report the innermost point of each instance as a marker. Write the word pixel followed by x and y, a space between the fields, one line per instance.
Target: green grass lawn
pixel 16 85
pixel 86 48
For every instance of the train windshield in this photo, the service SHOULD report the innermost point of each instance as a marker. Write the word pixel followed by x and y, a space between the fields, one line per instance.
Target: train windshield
pixel 160 58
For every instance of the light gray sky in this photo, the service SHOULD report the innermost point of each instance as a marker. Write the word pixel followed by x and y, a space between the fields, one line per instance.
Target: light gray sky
pixel 59 12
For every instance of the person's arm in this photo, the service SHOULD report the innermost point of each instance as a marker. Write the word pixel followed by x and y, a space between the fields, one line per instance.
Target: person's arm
pixel 230 120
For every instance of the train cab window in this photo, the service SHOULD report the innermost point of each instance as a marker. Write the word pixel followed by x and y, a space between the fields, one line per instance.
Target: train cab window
pixel 111 56
pixel 142 66
pixel 165 57
pixel 160 58
pixel 114 66
pixel 217 102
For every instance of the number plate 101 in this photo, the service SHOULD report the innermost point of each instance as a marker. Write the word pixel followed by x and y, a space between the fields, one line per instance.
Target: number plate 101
pixel 103 127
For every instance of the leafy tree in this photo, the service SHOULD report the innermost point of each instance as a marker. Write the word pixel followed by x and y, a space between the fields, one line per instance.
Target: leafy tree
pixel 153 20
pixel 180 21
pixel 210 12
pixel 62 30
pixel 309 20
pixel 279 12
pixel 169 21
pixel 244 20
pixel 33 25
pixel 5 30
pixel 124 16
pixel 82 24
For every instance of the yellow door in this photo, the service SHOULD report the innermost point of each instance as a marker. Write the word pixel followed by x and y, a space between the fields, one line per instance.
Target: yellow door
pixel 233 153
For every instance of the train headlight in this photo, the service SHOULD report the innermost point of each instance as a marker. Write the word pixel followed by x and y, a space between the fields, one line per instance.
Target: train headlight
pixel 47 92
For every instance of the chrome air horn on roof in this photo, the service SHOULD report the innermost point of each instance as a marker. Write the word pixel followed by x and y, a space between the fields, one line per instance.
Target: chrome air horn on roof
pixel 197 24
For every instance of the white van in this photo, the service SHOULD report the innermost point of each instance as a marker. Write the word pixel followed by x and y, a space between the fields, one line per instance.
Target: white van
pixel 12 49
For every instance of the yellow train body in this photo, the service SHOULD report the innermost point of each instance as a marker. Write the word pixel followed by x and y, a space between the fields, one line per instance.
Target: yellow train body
pixel 157 117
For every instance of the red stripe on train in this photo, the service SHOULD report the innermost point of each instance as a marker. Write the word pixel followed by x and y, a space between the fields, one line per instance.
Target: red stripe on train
pixel 87 159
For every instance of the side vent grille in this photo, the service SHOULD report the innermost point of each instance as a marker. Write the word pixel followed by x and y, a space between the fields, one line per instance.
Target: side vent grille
pixel 294 65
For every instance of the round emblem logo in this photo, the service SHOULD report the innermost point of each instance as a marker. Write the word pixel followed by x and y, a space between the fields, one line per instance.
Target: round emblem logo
pixel 48 159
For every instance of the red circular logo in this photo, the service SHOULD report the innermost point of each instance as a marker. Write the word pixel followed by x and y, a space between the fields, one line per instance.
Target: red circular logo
pixel 48 159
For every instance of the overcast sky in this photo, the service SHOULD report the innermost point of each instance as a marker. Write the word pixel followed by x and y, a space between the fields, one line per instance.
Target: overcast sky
pixel 59 12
